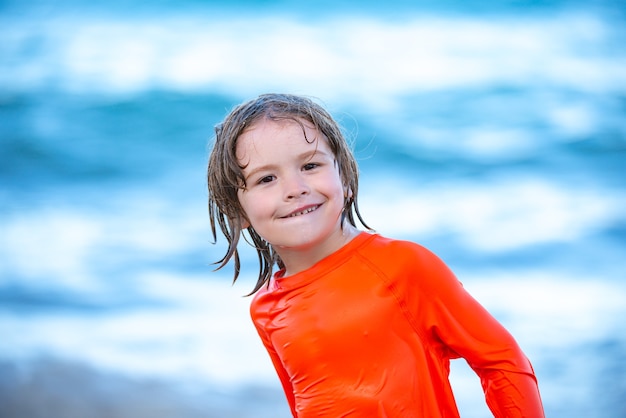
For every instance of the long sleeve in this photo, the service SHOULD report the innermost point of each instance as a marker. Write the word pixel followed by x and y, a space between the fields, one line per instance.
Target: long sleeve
pixel 278 366
pixel 370 331
pixel 456 320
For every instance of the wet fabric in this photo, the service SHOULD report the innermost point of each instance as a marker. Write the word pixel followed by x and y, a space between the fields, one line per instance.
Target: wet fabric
pixel 370 330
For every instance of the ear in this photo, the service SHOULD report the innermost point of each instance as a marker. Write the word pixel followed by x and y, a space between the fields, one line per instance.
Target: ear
pixel 347 192
pixel 241 221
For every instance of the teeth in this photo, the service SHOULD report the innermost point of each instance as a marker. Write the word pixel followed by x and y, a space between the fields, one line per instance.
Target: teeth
pixel 311 209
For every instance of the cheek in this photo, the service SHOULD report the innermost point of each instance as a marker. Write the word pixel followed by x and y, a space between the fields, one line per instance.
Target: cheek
pixel 244 202
pixel 335 185
pixel 255 205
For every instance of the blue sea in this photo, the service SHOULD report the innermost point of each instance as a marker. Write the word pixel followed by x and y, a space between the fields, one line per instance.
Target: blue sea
pixel 492 132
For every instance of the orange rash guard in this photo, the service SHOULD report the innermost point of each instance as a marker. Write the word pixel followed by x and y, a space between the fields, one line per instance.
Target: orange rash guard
pixel 370 330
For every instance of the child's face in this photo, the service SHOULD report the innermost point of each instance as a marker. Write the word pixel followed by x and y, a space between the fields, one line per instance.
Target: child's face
pixel 294 195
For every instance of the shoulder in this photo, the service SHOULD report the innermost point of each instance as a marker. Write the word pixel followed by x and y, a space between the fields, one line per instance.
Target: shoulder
pixel 261 299
pixel 389 250
pixel 406 261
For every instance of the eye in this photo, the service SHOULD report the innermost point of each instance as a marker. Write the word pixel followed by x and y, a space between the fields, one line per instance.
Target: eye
pixel 266 179
pixel 310 166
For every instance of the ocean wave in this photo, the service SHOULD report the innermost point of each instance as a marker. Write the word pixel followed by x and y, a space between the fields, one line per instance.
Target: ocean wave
pixel 366 59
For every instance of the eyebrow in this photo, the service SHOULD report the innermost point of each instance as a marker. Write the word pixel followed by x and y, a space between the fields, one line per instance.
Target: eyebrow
pixel 308 155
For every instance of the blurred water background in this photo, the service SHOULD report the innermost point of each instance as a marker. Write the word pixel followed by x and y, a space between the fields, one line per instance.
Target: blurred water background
pixel 492 132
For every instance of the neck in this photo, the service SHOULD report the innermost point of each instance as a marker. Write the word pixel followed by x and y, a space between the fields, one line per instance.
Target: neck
pixel 298 260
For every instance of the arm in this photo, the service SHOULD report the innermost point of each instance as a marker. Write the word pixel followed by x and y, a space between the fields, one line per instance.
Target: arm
pixel 280 369
pixel 464 327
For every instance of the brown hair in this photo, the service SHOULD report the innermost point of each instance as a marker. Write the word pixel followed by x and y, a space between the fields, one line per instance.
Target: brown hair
pixel 225 175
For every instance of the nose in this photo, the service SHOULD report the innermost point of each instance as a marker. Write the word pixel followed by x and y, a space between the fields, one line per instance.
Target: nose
pixel 295 186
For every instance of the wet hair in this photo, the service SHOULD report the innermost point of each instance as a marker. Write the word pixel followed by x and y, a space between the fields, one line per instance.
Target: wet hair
pixel 225 174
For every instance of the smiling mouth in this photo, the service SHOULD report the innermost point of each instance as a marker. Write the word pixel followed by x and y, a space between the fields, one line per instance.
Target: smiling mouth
pixel 303 212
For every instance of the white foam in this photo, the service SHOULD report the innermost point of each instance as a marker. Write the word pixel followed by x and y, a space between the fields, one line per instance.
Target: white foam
pixel 361 58
pixel 204 332
pixel 71 247
pixel 54 246
pixel 498 215
pixel 549 310
pixel 68 246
